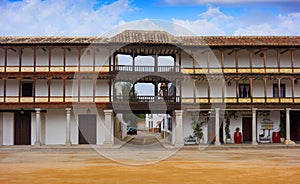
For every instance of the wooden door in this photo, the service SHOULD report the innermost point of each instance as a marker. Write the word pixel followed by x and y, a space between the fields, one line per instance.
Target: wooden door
pixel 211 138
pixel 221 132
pixel 295 126
pixel 247 129
pixel 22 128
pixel 87 129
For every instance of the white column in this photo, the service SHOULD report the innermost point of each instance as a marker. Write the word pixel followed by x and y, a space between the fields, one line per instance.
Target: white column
pixel 217 126
pixel 254 137
pixel 38 127
pixel 68 127
pixel 109 127
pixel 178 129
pixel 287 125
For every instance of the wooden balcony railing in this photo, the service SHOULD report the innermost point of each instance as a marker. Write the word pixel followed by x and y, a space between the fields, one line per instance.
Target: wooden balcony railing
pixel 137 99
pixel 54 99
pixel 147 99
pixel 129 68
pixel 54 69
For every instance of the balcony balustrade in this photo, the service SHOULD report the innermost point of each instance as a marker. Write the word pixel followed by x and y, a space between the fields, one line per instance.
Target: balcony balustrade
pixel 137 99
pixel 145 99
pixel 129 68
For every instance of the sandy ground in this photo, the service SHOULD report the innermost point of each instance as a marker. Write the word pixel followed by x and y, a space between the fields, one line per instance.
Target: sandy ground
pixel 185 166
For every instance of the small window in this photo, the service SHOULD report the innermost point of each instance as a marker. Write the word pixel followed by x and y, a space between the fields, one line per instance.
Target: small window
pixel 282 90
pixel 244 90
pixel 27 89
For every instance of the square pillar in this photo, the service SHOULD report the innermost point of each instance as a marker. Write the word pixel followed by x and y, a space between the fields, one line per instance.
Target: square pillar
pixel 68 127
pixel 38 127
pixel 178 128
pixel 288 124
pixel 108 128
pixel 217 126
pixel 254 137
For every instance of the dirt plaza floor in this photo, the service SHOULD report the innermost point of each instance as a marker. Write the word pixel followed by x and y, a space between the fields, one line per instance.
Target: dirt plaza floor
pixel 131 166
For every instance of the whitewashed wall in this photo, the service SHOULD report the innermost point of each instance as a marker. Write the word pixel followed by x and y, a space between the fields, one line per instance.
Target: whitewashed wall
pixel 1 128
pixel 55 126
pixel 12 87
pixel 8 128
pixel 41 88
pixel 275 117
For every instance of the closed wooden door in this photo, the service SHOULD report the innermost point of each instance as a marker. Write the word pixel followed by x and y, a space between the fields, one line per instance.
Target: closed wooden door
pixel 295 126
pixel 211 138
pixel 247 129
pixel 22 128
pixel 87 129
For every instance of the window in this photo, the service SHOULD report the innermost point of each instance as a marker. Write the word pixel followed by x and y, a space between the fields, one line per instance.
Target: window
pixel 244 90
pixel 27 89
pixel 282 90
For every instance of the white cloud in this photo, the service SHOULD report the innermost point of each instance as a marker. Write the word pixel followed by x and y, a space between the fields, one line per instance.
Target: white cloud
pixel 56 17
pixel 211 22
pixel 282 25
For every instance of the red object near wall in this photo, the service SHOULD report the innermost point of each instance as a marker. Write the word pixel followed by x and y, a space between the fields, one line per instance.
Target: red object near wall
pixel 237 136
pixel 276 137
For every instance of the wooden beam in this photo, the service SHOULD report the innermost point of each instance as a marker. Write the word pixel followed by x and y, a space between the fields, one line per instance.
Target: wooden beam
pixel 4 87
pixel 94 87
pixel 251 59
pixel 251 88
pixel 78 87
pixel 78 58
pixel 278 60
pixel 293 88
pixel 5 60
pixel 265 88
pixel 265 59
pixel 49 87
pixel 237 89
pixel 293 59
pixel 34 59
pixel 20 59
pixel 49 60
pixel 222 60
pixel 94 58
pixel 278 83
pixel 64 78
pixel 65 59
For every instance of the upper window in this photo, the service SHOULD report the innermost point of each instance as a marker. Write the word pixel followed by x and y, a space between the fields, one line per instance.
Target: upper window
pixel 275 90
pixel 244 90
pixel 27 89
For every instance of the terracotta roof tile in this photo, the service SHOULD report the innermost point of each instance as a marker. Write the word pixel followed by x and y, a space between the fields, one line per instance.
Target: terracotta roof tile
pixel 158 37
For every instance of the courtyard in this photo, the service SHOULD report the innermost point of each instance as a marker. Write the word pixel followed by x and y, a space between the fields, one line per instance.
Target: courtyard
pixel 88 165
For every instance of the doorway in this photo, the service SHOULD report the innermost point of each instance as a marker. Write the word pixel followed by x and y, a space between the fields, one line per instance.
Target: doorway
pixel 87 129
pixel 211 138
pixel 22 128
pixel 295 125
pixel 247 129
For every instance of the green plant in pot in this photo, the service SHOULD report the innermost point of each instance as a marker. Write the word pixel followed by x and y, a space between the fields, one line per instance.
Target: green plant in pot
pixel 197 128
pixel 227 130
pixel 282 127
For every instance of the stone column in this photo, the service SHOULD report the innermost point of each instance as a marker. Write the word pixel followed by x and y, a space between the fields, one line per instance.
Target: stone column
pixel 108 128
pixel 287 121
pixel 38 127
pixel 217 126
pixel 68 127
pixel 254 137
pixel 179 128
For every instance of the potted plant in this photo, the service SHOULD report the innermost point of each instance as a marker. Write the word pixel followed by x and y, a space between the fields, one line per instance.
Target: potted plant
pixel 282 127
pixel 197 128
pixel 227 130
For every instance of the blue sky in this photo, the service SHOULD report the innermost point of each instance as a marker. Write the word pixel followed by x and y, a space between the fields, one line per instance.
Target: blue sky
pixel 201 17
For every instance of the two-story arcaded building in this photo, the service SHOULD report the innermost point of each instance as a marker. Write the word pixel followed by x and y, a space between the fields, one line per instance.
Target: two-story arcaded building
pixel 66 90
